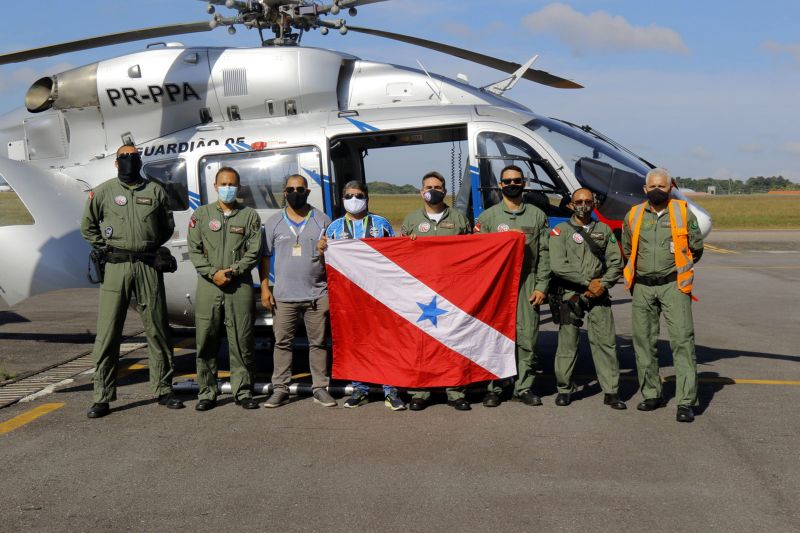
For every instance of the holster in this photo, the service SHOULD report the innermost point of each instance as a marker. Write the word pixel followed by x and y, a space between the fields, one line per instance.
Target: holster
pixel 97 257
pixel 165 261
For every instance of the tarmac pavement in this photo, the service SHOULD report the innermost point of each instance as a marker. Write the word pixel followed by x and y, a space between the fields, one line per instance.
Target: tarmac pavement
pixel 303 467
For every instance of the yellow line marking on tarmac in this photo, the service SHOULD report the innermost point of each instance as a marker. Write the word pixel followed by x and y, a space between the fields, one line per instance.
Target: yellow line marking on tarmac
pixel 134 367
pixel 719 250
pixel 220 374
pixel 28 416
pixel 305 375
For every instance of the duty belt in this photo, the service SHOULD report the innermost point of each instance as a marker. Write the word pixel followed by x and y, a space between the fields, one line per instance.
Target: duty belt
pixel 116 255
pixel 654 281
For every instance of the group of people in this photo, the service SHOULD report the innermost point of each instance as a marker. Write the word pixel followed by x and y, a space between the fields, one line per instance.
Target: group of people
pixel 573 265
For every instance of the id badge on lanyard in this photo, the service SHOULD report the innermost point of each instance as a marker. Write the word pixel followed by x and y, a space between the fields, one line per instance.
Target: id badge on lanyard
pixel 297 249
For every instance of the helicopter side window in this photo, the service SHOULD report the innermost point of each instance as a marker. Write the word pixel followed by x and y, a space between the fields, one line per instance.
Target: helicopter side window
pixel 497 150
pixel 171 174
pixel 262 174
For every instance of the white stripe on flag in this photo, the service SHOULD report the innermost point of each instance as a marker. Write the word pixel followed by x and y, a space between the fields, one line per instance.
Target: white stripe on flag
pixel 401 292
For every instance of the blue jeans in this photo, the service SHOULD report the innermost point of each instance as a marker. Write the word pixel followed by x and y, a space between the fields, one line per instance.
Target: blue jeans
pixel 363 388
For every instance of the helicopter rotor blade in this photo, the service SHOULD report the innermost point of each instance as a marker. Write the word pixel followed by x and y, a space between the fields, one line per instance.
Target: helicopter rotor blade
pixel 105 40
pixel 538 76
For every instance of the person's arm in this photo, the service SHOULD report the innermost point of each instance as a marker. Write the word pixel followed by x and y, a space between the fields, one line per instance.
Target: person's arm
pixel 543 262
pixel 613 263
pixel 695 236
pixel 267 246
pixel 626 238
pixel 194 243
pixel 166 224
pixel 252 247
pixel 90 223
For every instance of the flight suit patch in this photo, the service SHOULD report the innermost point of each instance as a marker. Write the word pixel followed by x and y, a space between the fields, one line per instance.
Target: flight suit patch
pixel 529 230
pixel 599 236
pixel 502 227
pixel 237 229
pixel 555 232
pixel 577 238
pixel 144 201
pixel 192 222
pixel 120 200
pixel 424 227
pixel 214 225
pixel 447 225
pixel 694 225
pixel 109 231
pixel 91 195
pixel 665 223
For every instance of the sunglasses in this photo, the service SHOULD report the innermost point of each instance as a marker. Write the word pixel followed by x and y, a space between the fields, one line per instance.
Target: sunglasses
pixel 129 155
pixel 359 195
pixel 300 189
pixel 512 181
pixel 582 202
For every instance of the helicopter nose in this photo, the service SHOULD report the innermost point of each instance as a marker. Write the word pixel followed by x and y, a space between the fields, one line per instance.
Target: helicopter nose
pixel 703 218
pixel 49 254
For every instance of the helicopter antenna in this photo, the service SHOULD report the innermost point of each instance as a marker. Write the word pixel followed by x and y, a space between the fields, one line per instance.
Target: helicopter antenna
pixel 438 93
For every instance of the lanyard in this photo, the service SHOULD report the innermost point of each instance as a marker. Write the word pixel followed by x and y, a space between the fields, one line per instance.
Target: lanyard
pixel 292 225
pixel 364 223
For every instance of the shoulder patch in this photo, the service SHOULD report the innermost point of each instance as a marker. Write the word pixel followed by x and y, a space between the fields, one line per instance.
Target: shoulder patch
pixel 192 222
pixel 555 232
pixel 612 239
pixel 91 195
pixel 477 228
pixel 694 225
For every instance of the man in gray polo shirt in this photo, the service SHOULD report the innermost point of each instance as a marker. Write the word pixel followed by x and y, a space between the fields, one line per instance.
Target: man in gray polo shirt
pixel 300 290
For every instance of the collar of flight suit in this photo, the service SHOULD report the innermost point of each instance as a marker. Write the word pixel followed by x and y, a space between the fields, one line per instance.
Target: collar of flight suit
pixel 445 213
pixel 519 211
pixel 236 208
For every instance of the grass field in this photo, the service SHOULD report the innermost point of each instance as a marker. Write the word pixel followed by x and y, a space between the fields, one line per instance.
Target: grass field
pixel 752 211
pixel 12 210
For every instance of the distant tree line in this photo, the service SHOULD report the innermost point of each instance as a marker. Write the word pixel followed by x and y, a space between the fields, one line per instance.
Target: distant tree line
pixel 381 187
pixel 755 185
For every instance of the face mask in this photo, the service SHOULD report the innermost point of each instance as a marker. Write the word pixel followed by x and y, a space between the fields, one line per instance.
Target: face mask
pixel 657 196
pixel 433 196
pixel 227 193
pixel 296 199
pixel 583 211
pixel 512 191
pixel 355 205
pixel 129 168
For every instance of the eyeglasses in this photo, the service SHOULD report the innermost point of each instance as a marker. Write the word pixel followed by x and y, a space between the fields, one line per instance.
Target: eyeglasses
pixel 299 190
pixel 512 181
pixel 359 195
pixel 582 202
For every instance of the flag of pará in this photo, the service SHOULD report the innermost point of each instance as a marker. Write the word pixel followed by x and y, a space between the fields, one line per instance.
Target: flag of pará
pixel 434 312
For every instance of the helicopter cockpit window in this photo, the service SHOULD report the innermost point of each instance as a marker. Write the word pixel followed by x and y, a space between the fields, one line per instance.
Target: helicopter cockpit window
pixel 497 150
pixel 614 176
pixel 171 174
pixel 262 174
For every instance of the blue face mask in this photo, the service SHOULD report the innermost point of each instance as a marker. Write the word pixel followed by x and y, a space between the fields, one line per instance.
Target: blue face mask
pixel 227 193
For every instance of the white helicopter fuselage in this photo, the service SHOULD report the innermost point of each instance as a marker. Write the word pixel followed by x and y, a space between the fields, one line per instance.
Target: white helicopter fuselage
pixel 268 112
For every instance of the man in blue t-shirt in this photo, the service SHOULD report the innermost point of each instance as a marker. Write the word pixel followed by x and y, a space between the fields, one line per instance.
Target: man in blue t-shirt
pixel 359 223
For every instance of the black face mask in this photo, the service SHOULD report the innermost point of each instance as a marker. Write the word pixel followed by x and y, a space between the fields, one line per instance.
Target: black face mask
pixel 296 199
pixel 129 167
pixel 433 197
pixel 657 196
pixel 512 191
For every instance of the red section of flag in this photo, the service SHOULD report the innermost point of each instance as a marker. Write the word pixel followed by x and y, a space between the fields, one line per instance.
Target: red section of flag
pixel 469 270
pixel 371 343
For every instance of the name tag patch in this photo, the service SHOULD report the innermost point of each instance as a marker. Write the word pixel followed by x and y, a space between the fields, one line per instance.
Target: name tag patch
pixel 144 201
pixel 237 229
pixel 448 225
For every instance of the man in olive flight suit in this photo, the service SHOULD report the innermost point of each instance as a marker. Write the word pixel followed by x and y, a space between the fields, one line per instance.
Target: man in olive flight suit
pixel 129 218
pixel 513 215
pixel 436 218
pixel 224 246
pixel 660 284
pixel 586 262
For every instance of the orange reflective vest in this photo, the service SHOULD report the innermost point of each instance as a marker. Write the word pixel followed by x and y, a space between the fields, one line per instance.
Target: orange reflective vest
pixel 684 262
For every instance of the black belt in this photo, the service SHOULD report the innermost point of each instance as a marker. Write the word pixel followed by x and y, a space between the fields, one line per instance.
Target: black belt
pixel 116 255
pixel 654 281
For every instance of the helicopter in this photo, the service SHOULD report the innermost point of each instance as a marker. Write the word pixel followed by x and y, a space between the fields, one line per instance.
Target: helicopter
pixel 271 111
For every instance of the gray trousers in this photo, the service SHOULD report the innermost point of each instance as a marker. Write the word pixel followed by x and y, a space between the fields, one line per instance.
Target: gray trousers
pixel 284 324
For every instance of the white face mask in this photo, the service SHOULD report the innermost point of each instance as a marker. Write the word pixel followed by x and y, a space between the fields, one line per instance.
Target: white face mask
pixel 355 205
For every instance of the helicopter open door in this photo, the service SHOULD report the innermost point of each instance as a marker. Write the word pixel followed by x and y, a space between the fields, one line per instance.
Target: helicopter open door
pixel 494 146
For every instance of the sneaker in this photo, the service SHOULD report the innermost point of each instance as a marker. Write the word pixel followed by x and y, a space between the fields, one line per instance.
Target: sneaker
pixel 278 398
pixel 322 397
pixel 394 403
pixel 356 400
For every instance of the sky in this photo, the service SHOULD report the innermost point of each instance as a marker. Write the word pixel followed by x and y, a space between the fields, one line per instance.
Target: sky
pixel 704 88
